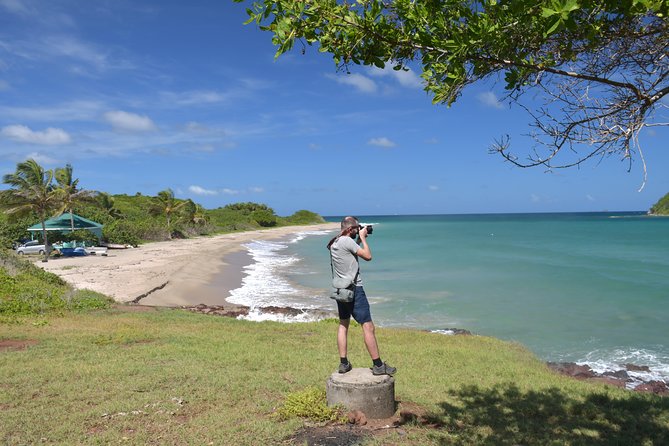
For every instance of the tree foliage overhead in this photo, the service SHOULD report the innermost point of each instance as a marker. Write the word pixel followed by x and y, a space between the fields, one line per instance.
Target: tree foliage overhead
pixel 599 67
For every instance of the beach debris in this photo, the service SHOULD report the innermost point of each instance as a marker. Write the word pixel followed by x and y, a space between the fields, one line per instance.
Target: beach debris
pixel 142 296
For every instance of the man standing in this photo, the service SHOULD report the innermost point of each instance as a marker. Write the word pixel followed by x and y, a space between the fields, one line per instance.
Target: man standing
pixel 345 253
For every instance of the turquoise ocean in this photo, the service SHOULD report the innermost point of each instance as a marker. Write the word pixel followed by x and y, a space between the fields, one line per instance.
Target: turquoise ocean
pixel 590 288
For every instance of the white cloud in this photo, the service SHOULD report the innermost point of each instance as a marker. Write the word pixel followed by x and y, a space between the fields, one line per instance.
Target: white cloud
pixel 358 81
pixel 408 79
pixel 50 136
pixel 129 122
pixel 195 97
pixel 433 188
pixel 68 111
pixel 534 198
pixel 197 190
pixel 590 197
pixel 257 190
pixel 4 85
pixel 15 6
pixel 230 191
pixel 489 99
pixel 70 47
pixel 381 142
pixel 204 148
pixel 195 127
pixel 432 141
pixel 42 159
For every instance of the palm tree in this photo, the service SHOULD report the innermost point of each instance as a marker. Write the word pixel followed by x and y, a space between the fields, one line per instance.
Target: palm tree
pixel 68 194
pixel 106 202
pixel 194 213
pixel 166 204
pixel 31 191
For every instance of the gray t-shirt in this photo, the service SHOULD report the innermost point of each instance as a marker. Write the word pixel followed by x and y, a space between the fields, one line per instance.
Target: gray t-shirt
pixel 344 259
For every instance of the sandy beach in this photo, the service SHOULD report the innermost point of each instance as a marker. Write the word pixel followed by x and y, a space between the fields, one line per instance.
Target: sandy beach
pixel 186 272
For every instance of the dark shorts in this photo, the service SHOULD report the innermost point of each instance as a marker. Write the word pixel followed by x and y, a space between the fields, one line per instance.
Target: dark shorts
pixel 359 308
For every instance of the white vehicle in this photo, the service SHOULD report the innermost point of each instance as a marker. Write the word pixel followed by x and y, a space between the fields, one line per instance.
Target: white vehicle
pixel 31 247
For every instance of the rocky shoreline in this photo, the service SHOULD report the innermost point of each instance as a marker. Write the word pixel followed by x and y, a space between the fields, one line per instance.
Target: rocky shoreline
pixel 619 378
pixel 241 310
pixel 622 378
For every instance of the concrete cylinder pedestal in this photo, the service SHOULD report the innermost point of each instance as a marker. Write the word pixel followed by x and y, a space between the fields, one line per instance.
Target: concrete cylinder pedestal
pixel 360 390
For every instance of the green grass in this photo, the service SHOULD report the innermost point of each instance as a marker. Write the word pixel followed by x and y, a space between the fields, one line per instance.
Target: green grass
pixel 26 289
pixel 173 377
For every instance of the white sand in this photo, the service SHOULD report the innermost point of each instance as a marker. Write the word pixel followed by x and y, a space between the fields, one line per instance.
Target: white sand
pixel 172 273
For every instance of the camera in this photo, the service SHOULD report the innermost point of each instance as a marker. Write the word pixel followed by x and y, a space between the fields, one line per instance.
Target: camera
pixel 369 229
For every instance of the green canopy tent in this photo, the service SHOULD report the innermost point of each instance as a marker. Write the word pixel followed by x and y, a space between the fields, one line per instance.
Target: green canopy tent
pixel 64 223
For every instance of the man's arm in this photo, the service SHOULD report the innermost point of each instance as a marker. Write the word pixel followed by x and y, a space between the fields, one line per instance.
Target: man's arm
pixel 365 252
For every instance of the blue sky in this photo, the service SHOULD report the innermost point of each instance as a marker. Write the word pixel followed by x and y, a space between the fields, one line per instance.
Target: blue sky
pixel 143 95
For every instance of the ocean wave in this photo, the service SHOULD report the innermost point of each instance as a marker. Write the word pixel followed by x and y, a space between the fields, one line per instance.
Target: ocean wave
pixel 262 283
pixel 603 361
pixel 302 235
pixel 265 282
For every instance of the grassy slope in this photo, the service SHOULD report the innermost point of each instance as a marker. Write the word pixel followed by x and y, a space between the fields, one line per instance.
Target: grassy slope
pixel 232 374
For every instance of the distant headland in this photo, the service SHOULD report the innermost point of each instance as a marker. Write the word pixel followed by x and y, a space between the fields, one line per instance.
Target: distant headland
pixel 661 207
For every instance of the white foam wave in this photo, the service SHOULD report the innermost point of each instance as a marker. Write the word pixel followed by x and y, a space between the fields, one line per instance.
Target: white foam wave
pixel 611 361
pixel 266 284
pixel 302 235
pixel 257 315
pixel 447 332
pixel 263 284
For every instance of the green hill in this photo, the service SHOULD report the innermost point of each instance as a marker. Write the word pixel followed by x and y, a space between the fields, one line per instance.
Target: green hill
pixel 661 207
pixel 133 219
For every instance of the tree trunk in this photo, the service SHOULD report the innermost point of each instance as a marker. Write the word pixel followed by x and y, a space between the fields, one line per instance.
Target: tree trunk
pixel 169 229
pixel 46 242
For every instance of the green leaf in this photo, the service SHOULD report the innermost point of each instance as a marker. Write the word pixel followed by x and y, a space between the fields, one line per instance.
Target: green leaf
pixel 547 12
pixel 553 27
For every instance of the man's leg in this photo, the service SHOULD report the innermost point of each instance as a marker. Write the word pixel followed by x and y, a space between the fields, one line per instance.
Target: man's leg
pixel 379 367
pixel 342 337
pixel 370 339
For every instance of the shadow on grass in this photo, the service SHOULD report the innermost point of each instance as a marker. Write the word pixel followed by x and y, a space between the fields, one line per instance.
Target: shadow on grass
pixel 505 415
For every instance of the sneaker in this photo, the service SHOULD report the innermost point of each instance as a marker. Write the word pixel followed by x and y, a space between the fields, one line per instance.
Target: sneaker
pixel 384 369
pixel 343 368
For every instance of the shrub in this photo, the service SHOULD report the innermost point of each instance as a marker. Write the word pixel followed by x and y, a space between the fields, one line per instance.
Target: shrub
pixel 309 403
pixel 304 217
pixel 122 231
pixel 26 289
pixel 264 218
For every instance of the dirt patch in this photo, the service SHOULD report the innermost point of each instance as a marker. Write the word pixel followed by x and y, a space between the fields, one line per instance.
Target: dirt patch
pixel 15 344
pixel 354 434
pixel 336 435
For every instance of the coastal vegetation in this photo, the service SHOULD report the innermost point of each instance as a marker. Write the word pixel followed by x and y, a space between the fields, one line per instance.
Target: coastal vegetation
pixel 661 207
pixel 36 194
pixel 166 376
pixel 26 289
